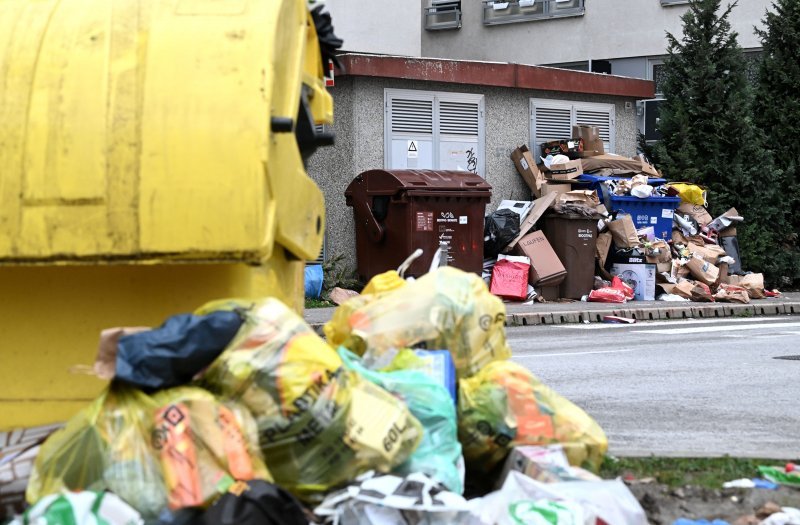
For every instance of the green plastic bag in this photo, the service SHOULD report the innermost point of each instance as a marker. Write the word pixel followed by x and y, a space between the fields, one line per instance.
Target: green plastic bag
pixel 439 452
pixel 80 508
pixel 780 476
pixel 106 446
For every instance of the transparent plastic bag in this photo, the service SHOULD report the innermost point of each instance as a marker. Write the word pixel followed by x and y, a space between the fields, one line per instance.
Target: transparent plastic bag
pixel 505 406
pixel 204 446
pixel 439 452
pixel 447 308
pixel 106 446
pixel 319 424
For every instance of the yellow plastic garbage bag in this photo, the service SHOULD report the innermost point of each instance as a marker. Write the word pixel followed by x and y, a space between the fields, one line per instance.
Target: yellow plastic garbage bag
pixel 384 282
pixel 691 193
pixel 447 309
pixel 320 425
pixel 336 331
pixel 204 446
pixel 505 406
pixel 106 446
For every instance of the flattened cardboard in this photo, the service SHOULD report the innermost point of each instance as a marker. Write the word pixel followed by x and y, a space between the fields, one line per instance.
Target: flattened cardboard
pixel 540 206
pixel 526 167
pixel 587 197
pixel 618 162
pixel 545 264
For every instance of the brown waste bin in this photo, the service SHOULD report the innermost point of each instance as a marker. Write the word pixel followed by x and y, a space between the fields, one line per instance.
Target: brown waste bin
pixel 398 211
pixel 573 238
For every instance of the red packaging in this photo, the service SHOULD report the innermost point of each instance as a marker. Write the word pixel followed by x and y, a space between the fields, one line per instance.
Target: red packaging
pixel 510 279
pixel 607 295
pixel 618 284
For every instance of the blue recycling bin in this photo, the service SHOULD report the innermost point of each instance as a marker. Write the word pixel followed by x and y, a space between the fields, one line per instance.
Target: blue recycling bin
pixel 652 211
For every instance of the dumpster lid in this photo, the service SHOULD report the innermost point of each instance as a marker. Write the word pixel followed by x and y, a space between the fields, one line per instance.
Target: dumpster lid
pixel 389 182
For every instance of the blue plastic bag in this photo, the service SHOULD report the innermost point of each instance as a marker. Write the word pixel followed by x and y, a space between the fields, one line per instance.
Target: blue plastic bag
pixel 439 452
pixel 173 353
pixel 313 279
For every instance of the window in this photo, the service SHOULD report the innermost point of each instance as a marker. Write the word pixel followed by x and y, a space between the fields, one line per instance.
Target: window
pixel 429 130
pixel 501 12
pixel 443 14
pixel 553 120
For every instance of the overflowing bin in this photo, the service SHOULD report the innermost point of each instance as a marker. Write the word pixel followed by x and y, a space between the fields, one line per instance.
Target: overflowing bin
pixel 398 211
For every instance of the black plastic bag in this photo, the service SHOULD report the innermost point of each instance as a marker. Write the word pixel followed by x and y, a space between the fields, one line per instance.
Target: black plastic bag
pixel 261 503
pixel 172 354
pixel 500 228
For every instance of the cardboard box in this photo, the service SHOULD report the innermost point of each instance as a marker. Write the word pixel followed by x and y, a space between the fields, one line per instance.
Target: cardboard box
pixel 545 264
pixel 641 275
pixel 592 143
pixel 566 171
pixel 556 188
pixel 572 148
pixel 526 166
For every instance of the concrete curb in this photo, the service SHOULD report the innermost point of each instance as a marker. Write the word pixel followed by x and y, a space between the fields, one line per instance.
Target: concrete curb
pixel 674 311
pixel 666 311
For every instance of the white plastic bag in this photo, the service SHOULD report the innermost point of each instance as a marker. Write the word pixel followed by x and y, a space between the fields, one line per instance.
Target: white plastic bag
pixel 610 501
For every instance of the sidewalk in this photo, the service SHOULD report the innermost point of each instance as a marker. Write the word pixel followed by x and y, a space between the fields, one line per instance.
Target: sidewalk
pixel 579 312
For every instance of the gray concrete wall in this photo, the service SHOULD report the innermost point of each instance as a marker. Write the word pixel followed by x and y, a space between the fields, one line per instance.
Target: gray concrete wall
pixel 609 29
pixel 391 27
pixel 359 127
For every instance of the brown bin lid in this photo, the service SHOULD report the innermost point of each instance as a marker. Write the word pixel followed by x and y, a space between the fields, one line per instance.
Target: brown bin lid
pixel 390 182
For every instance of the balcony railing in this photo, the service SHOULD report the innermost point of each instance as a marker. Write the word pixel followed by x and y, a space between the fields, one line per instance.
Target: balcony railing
pixel 513 11
pixel 443 15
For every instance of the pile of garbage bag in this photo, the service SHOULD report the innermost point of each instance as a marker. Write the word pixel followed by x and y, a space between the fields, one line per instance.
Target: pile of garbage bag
pixel 382 428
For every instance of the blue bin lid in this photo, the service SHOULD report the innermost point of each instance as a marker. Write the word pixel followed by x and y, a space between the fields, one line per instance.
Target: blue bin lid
pixel 652 198
pixel 596 179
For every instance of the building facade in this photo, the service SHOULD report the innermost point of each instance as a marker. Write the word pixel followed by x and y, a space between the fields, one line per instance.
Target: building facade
pixel 401 112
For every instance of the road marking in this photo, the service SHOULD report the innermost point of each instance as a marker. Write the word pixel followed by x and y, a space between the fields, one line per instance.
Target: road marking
pixel 708 329
pixel 674 322
pixel 582 353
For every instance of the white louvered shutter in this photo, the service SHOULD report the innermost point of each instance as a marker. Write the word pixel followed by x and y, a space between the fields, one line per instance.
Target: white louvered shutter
pixel 409 119
pixel 551 121
pixel 603 118
pixel 460 124
pixel 445 130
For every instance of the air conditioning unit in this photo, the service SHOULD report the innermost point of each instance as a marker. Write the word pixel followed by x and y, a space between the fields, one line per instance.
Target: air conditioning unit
pixel 651 119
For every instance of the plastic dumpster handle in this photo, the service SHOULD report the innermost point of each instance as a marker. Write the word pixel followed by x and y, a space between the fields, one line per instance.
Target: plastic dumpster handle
pixel 364 213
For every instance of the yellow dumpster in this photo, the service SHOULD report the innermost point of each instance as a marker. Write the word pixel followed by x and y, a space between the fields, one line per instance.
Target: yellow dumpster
pixel 148 163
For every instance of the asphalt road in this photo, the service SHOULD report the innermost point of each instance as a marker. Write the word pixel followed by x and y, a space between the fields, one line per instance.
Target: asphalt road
pixel 679 388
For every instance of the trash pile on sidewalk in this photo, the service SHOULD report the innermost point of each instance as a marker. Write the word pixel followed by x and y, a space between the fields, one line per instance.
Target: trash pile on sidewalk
pixel 607 228
pixel 240 413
